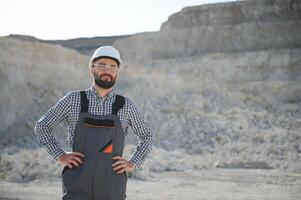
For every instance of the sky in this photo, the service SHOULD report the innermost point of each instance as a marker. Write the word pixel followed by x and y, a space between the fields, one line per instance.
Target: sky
pixel 67 19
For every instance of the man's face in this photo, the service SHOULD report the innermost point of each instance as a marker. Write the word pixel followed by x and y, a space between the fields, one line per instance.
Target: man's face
pixel 104 71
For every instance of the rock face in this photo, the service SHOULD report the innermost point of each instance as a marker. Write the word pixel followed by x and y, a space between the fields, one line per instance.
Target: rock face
pixel 225 79
pixel 260 11
pixel 220 84
pixel 230 27
pixel 32 77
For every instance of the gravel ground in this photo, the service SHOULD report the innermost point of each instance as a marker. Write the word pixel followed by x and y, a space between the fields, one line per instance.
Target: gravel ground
pixel 213 184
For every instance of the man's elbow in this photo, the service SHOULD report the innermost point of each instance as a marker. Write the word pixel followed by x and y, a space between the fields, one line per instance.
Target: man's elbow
pixel 39 130
pixel 150 138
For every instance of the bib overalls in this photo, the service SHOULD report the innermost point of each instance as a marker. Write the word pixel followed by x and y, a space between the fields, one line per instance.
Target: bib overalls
pixel 99 138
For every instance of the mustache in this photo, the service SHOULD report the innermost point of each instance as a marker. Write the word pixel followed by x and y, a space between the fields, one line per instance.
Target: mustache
pixel 105 75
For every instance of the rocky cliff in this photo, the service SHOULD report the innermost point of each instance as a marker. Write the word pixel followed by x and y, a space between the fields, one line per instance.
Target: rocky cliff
pixel 229 27
pixel 33 76
pixel 225 79
pixel 231 13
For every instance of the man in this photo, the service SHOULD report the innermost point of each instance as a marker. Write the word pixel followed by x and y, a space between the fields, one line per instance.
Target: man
pixel 97 121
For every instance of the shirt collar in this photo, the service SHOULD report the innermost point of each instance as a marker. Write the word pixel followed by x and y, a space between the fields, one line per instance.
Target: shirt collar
pixel 94 92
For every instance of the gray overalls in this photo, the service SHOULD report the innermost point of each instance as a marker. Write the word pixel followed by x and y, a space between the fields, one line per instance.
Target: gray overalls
pixel 99 138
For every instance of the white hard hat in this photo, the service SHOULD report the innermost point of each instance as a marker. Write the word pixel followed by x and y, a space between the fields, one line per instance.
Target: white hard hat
pixel 107 51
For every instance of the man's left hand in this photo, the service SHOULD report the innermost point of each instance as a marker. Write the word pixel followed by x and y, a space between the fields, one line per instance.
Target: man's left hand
pixel 121 165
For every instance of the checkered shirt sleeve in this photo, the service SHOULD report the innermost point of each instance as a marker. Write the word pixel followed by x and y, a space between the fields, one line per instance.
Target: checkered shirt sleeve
pixel 144 132
pixel 50 119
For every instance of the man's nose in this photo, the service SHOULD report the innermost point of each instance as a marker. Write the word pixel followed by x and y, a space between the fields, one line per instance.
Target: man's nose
pixel 107 68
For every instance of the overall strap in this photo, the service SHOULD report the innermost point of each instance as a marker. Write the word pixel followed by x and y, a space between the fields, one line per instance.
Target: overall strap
pixel 118 104
pixel 84 102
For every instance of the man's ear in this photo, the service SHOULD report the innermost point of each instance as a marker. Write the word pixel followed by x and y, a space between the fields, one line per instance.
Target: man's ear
pixel 91 70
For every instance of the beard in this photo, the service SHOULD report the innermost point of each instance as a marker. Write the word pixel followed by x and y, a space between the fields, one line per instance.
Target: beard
pixel 105 84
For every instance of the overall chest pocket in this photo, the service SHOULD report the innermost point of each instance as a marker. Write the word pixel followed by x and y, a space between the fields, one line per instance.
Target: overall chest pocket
pixel 99 123
pixel 100 134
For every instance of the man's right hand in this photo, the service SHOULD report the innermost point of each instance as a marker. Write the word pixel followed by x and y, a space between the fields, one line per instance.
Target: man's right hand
pixel 70 158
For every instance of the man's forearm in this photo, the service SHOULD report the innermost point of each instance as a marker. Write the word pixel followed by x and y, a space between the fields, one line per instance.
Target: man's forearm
pixel 142 150
pixel 47 140
pixel 50 119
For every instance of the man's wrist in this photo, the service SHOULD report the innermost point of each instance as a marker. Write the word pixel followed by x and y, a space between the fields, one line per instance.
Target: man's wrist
pixel 59 155
pixel 135 164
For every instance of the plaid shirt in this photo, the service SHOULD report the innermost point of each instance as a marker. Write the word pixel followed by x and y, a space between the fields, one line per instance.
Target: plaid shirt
pixel 68 109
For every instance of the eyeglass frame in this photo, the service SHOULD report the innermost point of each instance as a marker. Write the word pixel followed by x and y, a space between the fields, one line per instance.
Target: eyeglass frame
pixel 102 66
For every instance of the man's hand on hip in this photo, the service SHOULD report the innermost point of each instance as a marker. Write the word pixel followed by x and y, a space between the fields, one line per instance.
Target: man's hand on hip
pixel 121 165
pixel 70 158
